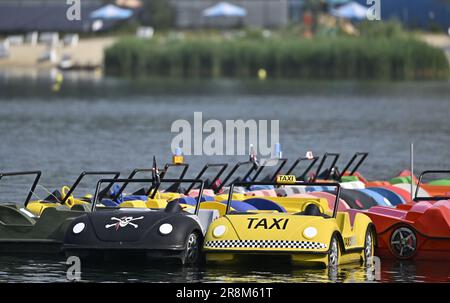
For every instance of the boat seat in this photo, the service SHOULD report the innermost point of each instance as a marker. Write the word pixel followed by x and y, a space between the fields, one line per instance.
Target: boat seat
pixel 420 207
pixel 12 216
pixel 55 197
pixel 264 204
pixel 186 200
pixel 312 210
pixel 379 199
pixel 393 197
pixel 261 187
pixel 109 203
pixel 206 198
pixel 241 206
pixel 357 199
pixel 173 207
pixel 134 197
pixel 81 207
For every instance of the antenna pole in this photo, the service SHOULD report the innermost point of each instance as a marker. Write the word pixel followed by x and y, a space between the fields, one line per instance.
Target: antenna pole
pixel 412 170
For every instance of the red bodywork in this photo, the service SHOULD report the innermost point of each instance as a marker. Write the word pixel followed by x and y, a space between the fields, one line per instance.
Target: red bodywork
pixel 430 223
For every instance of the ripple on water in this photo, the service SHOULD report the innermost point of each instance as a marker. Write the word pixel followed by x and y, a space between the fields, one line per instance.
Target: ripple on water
pixel 54 270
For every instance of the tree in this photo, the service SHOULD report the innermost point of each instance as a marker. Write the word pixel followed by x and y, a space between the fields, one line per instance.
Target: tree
pixel 159 14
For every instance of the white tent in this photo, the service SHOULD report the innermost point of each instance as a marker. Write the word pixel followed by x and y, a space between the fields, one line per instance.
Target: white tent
pixel 352 10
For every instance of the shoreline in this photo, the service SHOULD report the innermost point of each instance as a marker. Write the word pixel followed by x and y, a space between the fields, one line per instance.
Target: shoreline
pixel 441 41
pixel 24 59
pixel 88 51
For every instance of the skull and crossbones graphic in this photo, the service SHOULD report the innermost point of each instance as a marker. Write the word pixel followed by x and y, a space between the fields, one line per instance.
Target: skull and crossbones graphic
pixel 124 221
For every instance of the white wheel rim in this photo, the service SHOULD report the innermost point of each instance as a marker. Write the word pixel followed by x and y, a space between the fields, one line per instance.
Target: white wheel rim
pixel 333 257
pixel 191 247
pixel 369 246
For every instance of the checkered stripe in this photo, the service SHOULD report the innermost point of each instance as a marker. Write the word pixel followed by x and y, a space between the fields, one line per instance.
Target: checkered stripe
pixel 265 244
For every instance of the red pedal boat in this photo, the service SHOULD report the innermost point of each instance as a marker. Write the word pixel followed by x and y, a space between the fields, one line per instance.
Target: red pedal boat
pixel 418 231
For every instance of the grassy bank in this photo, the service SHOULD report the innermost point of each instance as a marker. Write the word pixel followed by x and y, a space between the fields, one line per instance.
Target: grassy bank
pixel 343 57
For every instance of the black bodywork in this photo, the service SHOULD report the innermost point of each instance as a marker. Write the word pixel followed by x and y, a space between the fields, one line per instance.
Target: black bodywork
pixel 134 231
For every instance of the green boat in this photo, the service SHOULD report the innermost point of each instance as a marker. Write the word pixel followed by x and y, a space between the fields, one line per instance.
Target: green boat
pixel 23 232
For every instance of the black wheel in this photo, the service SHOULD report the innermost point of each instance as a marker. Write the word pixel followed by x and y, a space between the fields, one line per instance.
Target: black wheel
pixel 333 253
pixel 191 254
pixel 369 245
pixel 403 242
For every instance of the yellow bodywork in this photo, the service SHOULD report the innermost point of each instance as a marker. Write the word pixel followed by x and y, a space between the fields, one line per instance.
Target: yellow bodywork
pixel 37 207
pixel 236 196
pixel 161 199
pixel 284 234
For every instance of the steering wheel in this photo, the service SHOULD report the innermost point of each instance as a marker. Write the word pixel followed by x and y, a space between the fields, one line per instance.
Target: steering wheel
pixel 308 202
pixel 70 201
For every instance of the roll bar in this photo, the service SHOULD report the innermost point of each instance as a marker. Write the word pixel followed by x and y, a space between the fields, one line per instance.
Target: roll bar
pixel 234 169
pixel 308 168
pixel 362 157
pixel 222 168
pixel 169 165
pixel 151 181
pixel 89 173
pixel 281 163
pixel 38 174
pixel 149 170
pixel 131 176
pixel 435 198
pixel 335 157
pixel 298 183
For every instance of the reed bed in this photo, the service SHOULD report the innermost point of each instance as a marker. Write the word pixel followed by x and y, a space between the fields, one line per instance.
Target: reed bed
pixel 343 57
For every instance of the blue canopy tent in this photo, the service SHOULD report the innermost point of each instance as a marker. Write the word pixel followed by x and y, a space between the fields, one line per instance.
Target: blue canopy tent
pixel 111 11
pixel 352 10
pixel 225 9
pixel 224 15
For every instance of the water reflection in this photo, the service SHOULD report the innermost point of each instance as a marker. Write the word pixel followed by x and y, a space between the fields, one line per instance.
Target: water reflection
pixel 415 271
pixel 45 269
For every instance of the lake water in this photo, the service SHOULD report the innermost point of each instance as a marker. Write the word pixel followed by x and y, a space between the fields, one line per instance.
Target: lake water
pixel 96 123
pixel 45 269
